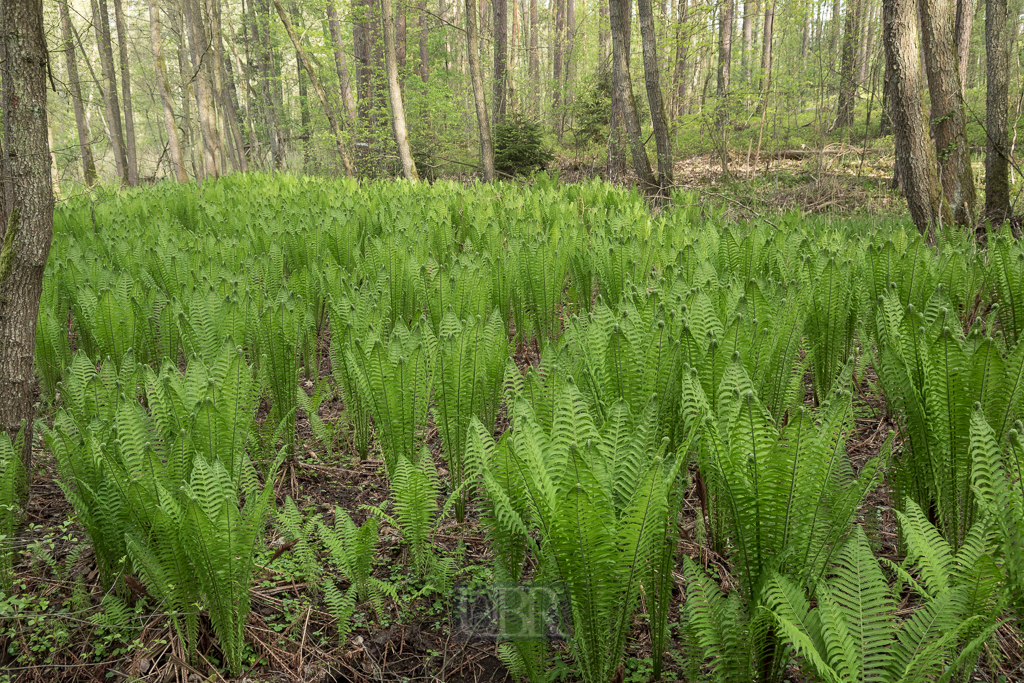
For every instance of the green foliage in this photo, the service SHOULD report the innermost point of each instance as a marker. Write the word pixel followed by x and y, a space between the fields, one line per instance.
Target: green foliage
pixel 849 636
pixel 12 497
pixel 519 146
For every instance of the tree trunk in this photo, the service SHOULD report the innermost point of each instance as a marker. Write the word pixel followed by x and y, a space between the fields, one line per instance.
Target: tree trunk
pixel 556 66
pixel 652 82
pixel 949 123
pixel 499 100
pixel 915 155
pixel 750 10
pixel 75 90
pixel 603 36
pixel 616 128
pixel 617 10
pixel 198 48
pixel 997 182
pixel 340 63
pixel 724 64
pixel 131 156
pixel 679 79
pixel 568 57
pixel 476 76
pixel 101 22
pixel 424 43
pixel 848 69
pixel 768 39
pixel 173 144
pixel 534 58
pixel 962 36
pixel 320 93
pixel 233 112
pixel 398 126
pixel 515 43
pixel 400 39
pixel 362 9
pixel 260 32
pixel 25 175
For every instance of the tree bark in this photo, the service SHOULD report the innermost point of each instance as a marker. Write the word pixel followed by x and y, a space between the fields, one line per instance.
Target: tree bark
pixel 101 22
pixel 724 66
pixel 679 79
pixel 340 63
pixel 768 40
pixel 400 39
pixel 556 66
pixel 915 155
pixel 198 52
pixel 260 32
pixel 949 122
pixel 997 181
pixel 659 122
pixel 848 68
pixel 173 143
pixel 499 100
pixel 398 126
pixel 750 10
pixel 361 52
pixel 534 57
pixel 617 10
pixel 74 88
pixel 424 43
pixel 962 35
pixel 25 174
pixel 131 156
pixel 476 76
pixel 320 93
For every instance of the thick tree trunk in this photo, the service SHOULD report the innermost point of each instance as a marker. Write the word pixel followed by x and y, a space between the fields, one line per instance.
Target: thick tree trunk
pixel 25 175
pixel 398 126
pixel 424 43
pixel 101 22
pixel 657 104
pixel 848 69
pixel 949 123
pixel 617 10
pixel 499 100
pixel 476 76
pixel 173 144
pixel 320 92
pixel 75 90
pixel 915 155
pixel 131 156
pixel 340 63
pixel 997 181
pixel 962 36
pixel 724 67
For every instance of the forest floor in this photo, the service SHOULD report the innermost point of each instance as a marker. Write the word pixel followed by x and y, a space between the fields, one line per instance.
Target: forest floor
pixel 55 635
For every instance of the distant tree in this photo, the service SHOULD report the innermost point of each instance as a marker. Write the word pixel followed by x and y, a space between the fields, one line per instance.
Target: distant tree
pixel 997 181
pixel 477 79
pixel 75 90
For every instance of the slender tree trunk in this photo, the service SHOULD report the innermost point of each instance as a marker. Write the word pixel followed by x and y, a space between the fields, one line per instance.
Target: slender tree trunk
pixel 25 175
pixel 185 78
pixel 603 36
pixel 724 63
pixel 424 43
pixel 847 70
pixel 679 75
pixel 74 88
pixel 949 122
pixel 362 9
pixel 515 43
pixel 651 80
pixel 534 57
pixel 915 155
pixel 867 45
pixel 340 63
pixel 768 39
pixel 101 22
pixel 398 126
pixel 260 32
pixel 131 156
pixel 962 35
pixel 198 47
pixel 556 66
pixel 173 144
pixel 616 128
pixel 499 99
pixel 997 182
pixel 234 114
pixel 620 57
pixel 476 76
pixel 568 59
pixel 320 92
pixel 750 10
pixel 401 48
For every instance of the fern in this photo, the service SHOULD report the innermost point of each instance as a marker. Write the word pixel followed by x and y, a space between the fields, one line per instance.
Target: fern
pixel 12 497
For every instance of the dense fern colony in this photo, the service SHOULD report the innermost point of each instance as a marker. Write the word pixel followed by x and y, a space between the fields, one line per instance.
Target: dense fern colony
pixel 629 355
